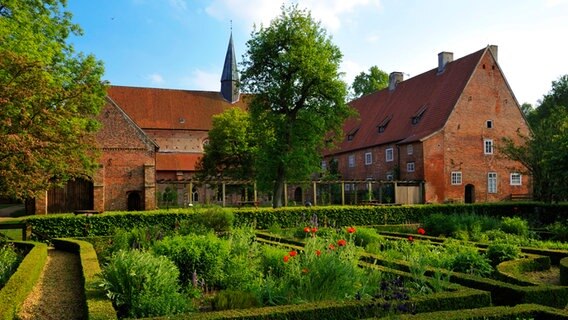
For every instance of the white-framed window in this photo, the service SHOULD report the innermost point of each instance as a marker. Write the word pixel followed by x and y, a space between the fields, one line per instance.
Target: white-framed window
pixel 389 154
pixel 409 149
pixel 489 124
pixel 351 161
pixel 516 179
pixel 410 167
pixel 347 187
pixel 492 182
pixel 324 165
pixel 368 158
pixel 488 146
pixel 456 178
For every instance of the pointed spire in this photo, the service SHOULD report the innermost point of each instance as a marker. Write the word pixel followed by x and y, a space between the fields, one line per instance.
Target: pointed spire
pixel 230 76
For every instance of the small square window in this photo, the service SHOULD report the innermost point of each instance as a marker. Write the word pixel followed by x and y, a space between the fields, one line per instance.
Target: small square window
pixel 368 158
pixel 389 154
pixel 410 167
pixel 351 161
pixel 409 149
pixel 489 124
pixel 456 178
pixel 516 179
pixel 488 146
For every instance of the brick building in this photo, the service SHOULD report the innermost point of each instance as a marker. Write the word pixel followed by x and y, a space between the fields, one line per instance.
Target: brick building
pixel 150 138
pixel 440 129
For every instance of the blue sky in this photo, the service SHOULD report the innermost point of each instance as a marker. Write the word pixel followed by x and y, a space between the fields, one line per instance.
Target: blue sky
pixel 182 43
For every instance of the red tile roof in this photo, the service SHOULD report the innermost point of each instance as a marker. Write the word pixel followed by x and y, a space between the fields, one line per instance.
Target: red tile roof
pixel 434 95
pixel 153 108
pixel 176 161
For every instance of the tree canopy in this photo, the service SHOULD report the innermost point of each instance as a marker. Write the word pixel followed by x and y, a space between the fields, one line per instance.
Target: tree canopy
pixel 231 148
pixel 292 69
pixel 49 98
pixel 545 152
pixel 365 83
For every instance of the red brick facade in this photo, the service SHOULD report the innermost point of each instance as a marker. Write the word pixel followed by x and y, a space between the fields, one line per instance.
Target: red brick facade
pixel 446 116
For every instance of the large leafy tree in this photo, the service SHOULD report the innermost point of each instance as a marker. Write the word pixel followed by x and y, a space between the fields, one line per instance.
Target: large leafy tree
pixel 545 152
pixel 49 97
pixel 231 148
pixel 365 83
pixel 292 69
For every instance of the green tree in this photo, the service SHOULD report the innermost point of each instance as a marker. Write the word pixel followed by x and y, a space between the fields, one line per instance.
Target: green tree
pixel 292 69
pixel 231 148
pixel 365 83
pixel 49 98
pixel 545 152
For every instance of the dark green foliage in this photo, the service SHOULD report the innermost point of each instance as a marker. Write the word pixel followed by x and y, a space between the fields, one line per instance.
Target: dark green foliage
pixel 143 285
pixel 234 299
pixel 9 260
pixel 559 231
pixel 564 271
pixel 502 251
pixel 216 219
pixel 516 226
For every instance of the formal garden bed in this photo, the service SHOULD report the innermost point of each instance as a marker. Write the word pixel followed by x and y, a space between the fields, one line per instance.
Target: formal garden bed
pixel 219 264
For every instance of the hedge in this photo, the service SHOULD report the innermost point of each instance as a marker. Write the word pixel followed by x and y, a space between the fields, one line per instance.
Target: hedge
pixel 22 282
pixel 512 271
pixel 98 305
pixel 69 225
pixel 521 311
pixel 564 271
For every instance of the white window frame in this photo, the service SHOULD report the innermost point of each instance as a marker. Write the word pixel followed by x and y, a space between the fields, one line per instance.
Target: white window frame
pixel 389 154
pixel 351 161
pixel 409 149
pixel 492 182
pixel 410 167
pixel 368 158
pixel 516 179
pixel 488 146
pixel 456 178
pixel 324 165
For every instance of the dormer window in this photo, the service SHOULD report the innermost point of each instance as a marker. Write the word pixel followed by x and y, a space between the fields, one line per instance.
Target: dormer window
pixel 418 115
pixel 383 125
pixel 351 134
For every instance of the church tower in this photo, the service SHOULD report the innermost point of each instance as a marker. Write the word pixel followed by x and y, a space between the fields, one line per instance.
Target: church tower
pixel 230 76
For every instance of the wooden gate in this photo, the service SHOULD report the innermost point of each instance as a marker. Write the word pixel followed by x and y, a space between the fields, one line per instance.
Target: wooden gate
pixel 75 195
pixel 409 194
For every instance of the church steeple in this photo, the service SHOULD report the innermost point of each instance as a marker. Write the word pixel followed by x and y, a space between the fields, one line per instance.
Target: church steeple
pixel 230 76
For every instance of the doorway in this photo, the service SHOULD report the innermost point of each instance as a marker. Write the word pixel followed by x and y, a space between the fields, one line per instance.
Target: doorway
pixel 469 193
pixel 134 201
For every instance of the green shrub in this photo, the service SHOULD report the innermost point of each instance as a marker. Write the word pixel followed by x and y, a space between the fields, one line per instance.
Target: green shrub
pixel 9 260
pixel 500 251
pixel 559 231
pixel 143 285
pixel 204 255
pixel 214 218
pixel 467 259
pixel 516 226
pixel 234 299
pixel 364 236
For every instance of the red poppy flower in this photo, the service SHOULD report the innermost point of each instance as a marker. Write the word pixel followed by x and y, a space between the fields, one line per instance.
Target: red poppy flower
pixel 318 253
pixel 314 229
pixel 410 238
pixel 351 230
pixel 331 246
pixel 421 231
pixel 341 243
pixel 307 229
pixel 286 258
pixel 292 253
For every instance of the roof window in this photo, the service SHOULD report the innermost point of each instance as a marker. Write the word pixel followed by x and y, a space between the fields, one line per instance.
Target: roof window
pixel 383 125
pixel 418 115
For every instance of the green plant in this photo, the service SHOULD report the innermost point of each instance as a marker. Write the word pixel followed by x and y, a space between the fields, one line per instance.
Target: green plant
pixel 500 251
pixel 516 226
pixel 203 255
pixel 9 260
pixel 559 231
pixel 364 236
pixel 213 218
pixel 467 259
pixel 143 285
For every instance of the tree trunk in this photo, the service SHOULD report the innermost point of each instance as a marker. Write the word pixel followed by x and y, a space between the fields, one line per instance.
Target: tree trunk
pixel 278 190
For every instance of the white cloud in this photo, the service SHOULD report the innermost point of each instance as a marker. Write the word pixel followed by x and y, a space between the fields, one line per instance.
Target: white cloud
pixel 554 3
pixel 155 78
pixel 350 69
pixel 202 80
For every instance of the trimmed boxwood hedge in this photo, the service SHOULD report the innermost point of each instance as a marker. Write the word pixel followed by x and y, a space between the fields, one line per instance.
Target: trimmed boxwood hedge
pixel 521 311
pixel 22 282
pixel 564 271
pixel 512 271
pixel 98 305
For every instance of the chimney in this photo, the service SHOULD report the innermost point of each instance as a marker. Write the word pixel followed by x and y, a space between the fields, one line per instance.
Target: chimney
pixel 443 59
pixel 493 48
pixel 394 79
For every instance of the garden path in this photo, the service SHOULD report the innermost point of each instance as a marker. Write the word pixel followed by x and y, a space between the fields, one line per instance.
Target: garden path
pixel 57 294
